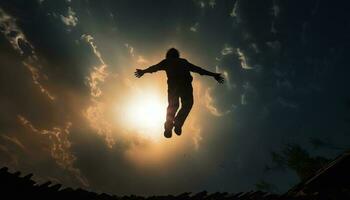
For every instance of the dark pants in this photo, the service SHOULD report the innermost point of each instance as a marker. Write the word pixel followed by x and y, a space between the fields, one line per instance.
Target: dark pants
pixel 186 96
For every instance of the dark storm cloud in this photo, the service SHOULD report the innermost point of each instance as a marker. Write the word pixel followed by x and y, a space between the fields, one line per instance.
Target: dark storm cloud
pixel 19 42
pixel 286 80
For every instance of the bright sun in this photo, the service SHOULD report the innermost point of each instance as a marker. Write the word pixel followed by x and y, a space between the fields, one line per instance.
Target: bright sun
pixel 145 113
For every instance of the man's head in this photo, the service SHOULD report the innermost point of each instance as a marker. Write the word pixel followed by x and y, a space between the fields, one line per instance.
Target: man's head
pixel 172 53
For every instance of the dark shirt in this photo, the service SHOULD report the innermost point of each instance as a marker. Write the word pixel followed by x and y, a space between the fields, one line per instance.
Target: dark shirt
pixel 178 71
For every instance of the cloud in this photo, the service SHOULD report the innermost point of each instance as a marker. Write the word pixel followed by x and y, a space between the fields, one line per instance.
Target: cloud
pixel 243 59
pixel 196 135
pixel 97 76
pixel 249 91
pixel 286 103
pixel 59 147
pixel 130 49
pixel 95 115
pixel 275 9
pixel 138 58
pixel 255 47
pixel 225 73
pixel 276 45
pixel 244 99
pixel 210 104
pixel 12 32
pixel 233 13
pixel 285 84
pixel 202 4
pixel 36 77
pixel 316 7
pixel 273 28
pixel 212 3
pixel 14 140
pixel 194 27
pixel 71 19
pixel 205 3
pixel 7 157
pixel 141 60
pixel 19 42
pixel 89 39
pixel 227 50
pixel 10 149
pixel 99 73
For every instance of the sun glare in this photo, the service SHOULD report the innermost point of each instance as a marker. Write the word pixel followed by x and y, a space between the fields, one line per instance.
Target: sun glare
pixel 145 114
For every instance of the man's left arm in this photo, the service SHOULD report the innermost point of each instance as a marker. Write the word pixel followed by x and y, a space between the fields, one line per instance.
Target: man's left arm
pixel 201 71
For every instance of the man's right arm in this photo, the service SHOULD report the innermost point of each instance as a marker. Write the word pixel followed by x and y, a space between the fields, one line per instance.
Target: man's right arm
pixel 155 68
pixel 151 69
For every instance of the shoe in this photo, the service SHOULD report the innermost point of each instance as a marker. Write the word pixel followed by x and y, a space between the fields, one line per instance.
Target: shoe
pixel 178 130
pixel 167 133
pixel 168 128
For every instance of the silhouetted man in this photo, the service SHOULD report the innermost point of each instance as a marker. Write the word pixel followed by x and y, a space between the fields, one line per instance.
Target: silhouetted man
pixel 179 87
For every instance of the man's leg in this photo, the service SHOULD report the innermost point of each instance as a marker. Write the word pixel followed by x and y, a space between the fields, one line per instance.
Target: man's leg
pixel 186 106
pixel 173 105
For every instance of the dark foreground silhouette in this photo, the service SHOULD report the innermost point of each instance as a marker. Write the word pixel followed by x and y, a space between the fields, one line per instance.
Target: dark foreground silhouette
pixel 178 71
pixel 330 182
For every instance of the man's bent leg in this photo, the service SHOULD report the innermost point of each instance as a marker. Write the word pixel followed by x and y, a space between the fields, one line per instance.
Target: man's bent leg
pixel 186 106
pixel 173 105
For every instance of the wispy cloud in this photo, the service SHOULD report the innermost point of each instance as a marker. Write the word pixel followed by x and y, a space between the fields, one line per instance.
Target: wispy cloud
pixel 225 73
pixel 275 12
pixel 36 77
pixel 135 56
pixel 244 99
pixel 59 147
pixel 227 50
pixel 196 135
pixel 95 112
pixel 95 115
pixel 13 140
pixel 99 73
pixel 273 28
pixel 286 103
pixel 276 45
pixel 20 43
pixel 89 39
pixel 209 103
pixel 212 3
pixel 275 9
pixel 194 27
pixel 233 13
pixel 8 157
pixel 243 59
pixel 10 148
pixel 13 33
pixel 201 4
pixel 141 60
pixel 71 18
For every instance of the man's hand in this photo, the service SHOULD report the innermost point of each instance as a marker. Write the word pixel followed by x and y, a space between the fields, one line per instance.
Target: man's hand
pixel 219 78
pixel 139 73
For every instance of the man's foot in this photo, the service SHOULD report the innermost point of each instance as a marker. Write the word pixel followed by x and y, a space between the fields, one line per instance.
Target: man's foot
pixel 168 128
pixel 167 133
pixel 178 130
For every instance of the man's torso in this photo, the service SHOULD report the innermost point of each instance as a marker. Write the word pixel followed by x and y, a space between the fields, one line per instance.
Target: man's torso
pixel 178 73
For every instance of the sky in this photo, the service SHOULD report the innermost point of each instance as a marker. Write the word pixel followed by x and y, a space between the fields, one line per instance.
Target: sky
pixel 70 105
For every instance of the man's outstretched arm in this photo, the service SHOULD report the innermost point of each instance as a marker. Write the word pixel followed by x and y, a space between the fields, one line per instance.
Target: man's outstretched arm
pixel 151 69
pixel 201 71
